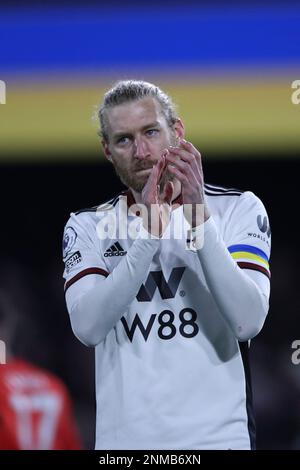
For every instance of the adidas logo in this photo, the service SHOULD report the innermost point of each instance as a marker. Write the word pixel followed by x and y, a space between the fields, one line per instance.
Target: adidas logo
pixel 115 250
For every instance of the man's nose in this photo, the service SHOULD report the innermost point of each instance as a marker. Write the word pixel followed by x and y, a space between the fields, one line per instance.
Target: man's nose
pixel 141 149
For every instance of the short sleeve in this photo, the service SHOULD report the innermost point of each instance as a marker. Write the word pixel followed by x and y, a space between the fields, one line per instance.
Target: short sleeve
pixel 81 252
pixel 248 235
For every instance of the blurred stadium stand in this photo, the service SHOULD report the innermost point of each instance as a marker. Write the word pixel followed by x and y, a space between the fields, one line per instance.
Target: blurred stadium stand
pixel 230 70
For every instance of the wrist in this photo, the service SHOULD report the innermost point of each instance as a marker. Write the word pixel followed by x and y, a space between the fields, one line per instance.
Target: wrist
pixel 200 217
pixel 195 235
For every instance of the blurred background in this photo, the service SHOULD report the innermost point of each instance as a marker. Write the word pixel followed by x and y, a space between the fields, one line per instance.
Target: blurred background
pixel 229 68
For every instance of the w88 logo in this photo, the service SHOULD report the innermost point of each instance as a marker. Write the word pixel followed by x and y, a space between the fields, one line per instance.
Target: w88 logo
pixel 165 322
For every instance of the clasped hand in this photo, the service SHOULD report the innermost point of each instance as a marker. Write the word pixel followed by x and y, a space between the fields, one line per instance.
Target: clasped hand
pixel 184 162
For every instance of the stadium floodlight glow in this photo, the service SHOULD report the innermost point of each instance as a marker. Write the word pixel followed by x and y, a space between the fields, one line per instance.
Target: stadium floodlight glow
pixel 2 352
pixel 2 92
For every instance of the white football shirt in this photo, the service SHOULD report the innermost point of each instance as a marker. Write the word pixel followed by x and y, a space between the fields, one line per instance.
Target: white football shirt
pixel 171 374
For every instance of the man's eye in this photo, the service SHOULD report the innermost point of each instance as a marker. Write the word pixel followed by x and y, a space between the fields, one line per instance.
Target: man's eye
pixel 123 140
pixel 151 132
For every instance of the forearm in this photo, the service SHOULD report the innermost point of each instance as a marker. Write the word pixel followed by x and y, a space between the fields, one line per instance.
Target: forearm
pixel 97 311
pixel 238 297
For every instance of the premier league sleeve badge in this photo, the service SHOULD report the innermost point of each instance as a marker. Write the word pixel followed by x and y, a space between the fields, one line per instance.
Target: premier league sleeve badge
pixel 69 240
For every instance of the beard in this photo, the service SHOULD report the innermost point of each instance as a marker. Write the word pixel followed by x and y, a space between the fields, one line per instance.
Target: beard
pixel 137 181
pixel 131 178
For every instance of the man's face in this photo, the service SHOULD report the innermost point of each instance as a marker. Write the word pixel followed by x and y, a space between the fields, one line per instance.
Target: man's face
pixel 138 134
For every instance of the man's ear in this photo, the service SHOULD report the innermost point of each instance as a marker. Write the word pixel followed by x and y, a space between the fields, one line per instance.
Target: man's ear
pixel 179 129
pixel 106 150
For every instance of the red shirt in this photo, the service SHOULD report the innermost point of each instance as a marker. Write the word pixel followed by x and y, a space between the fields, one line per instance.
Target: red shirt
pixel 35 410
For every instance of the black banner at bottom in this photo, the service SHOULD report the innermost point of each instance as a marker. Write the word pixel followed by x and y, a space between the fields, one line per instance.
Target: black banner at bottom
pixel 134 459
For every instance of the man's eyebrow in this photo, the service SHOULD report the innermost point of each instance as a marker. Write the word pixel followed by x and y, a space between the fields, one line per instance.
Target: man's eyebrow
pixel 117 135
pixel 152 124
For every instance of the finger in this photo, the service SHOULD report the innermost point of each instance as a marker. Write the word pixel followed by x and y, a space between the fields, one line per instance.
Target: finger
pixel 190 147
pixel 187 157
pixel 164 165
pixel 150 192
pixel 155 173
pixel 179 174
pixel 174 160
pixel 189 169
pixel 182 153
pixel 186 150
pixel 151 189
pixel 168 192
pixel 161 167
